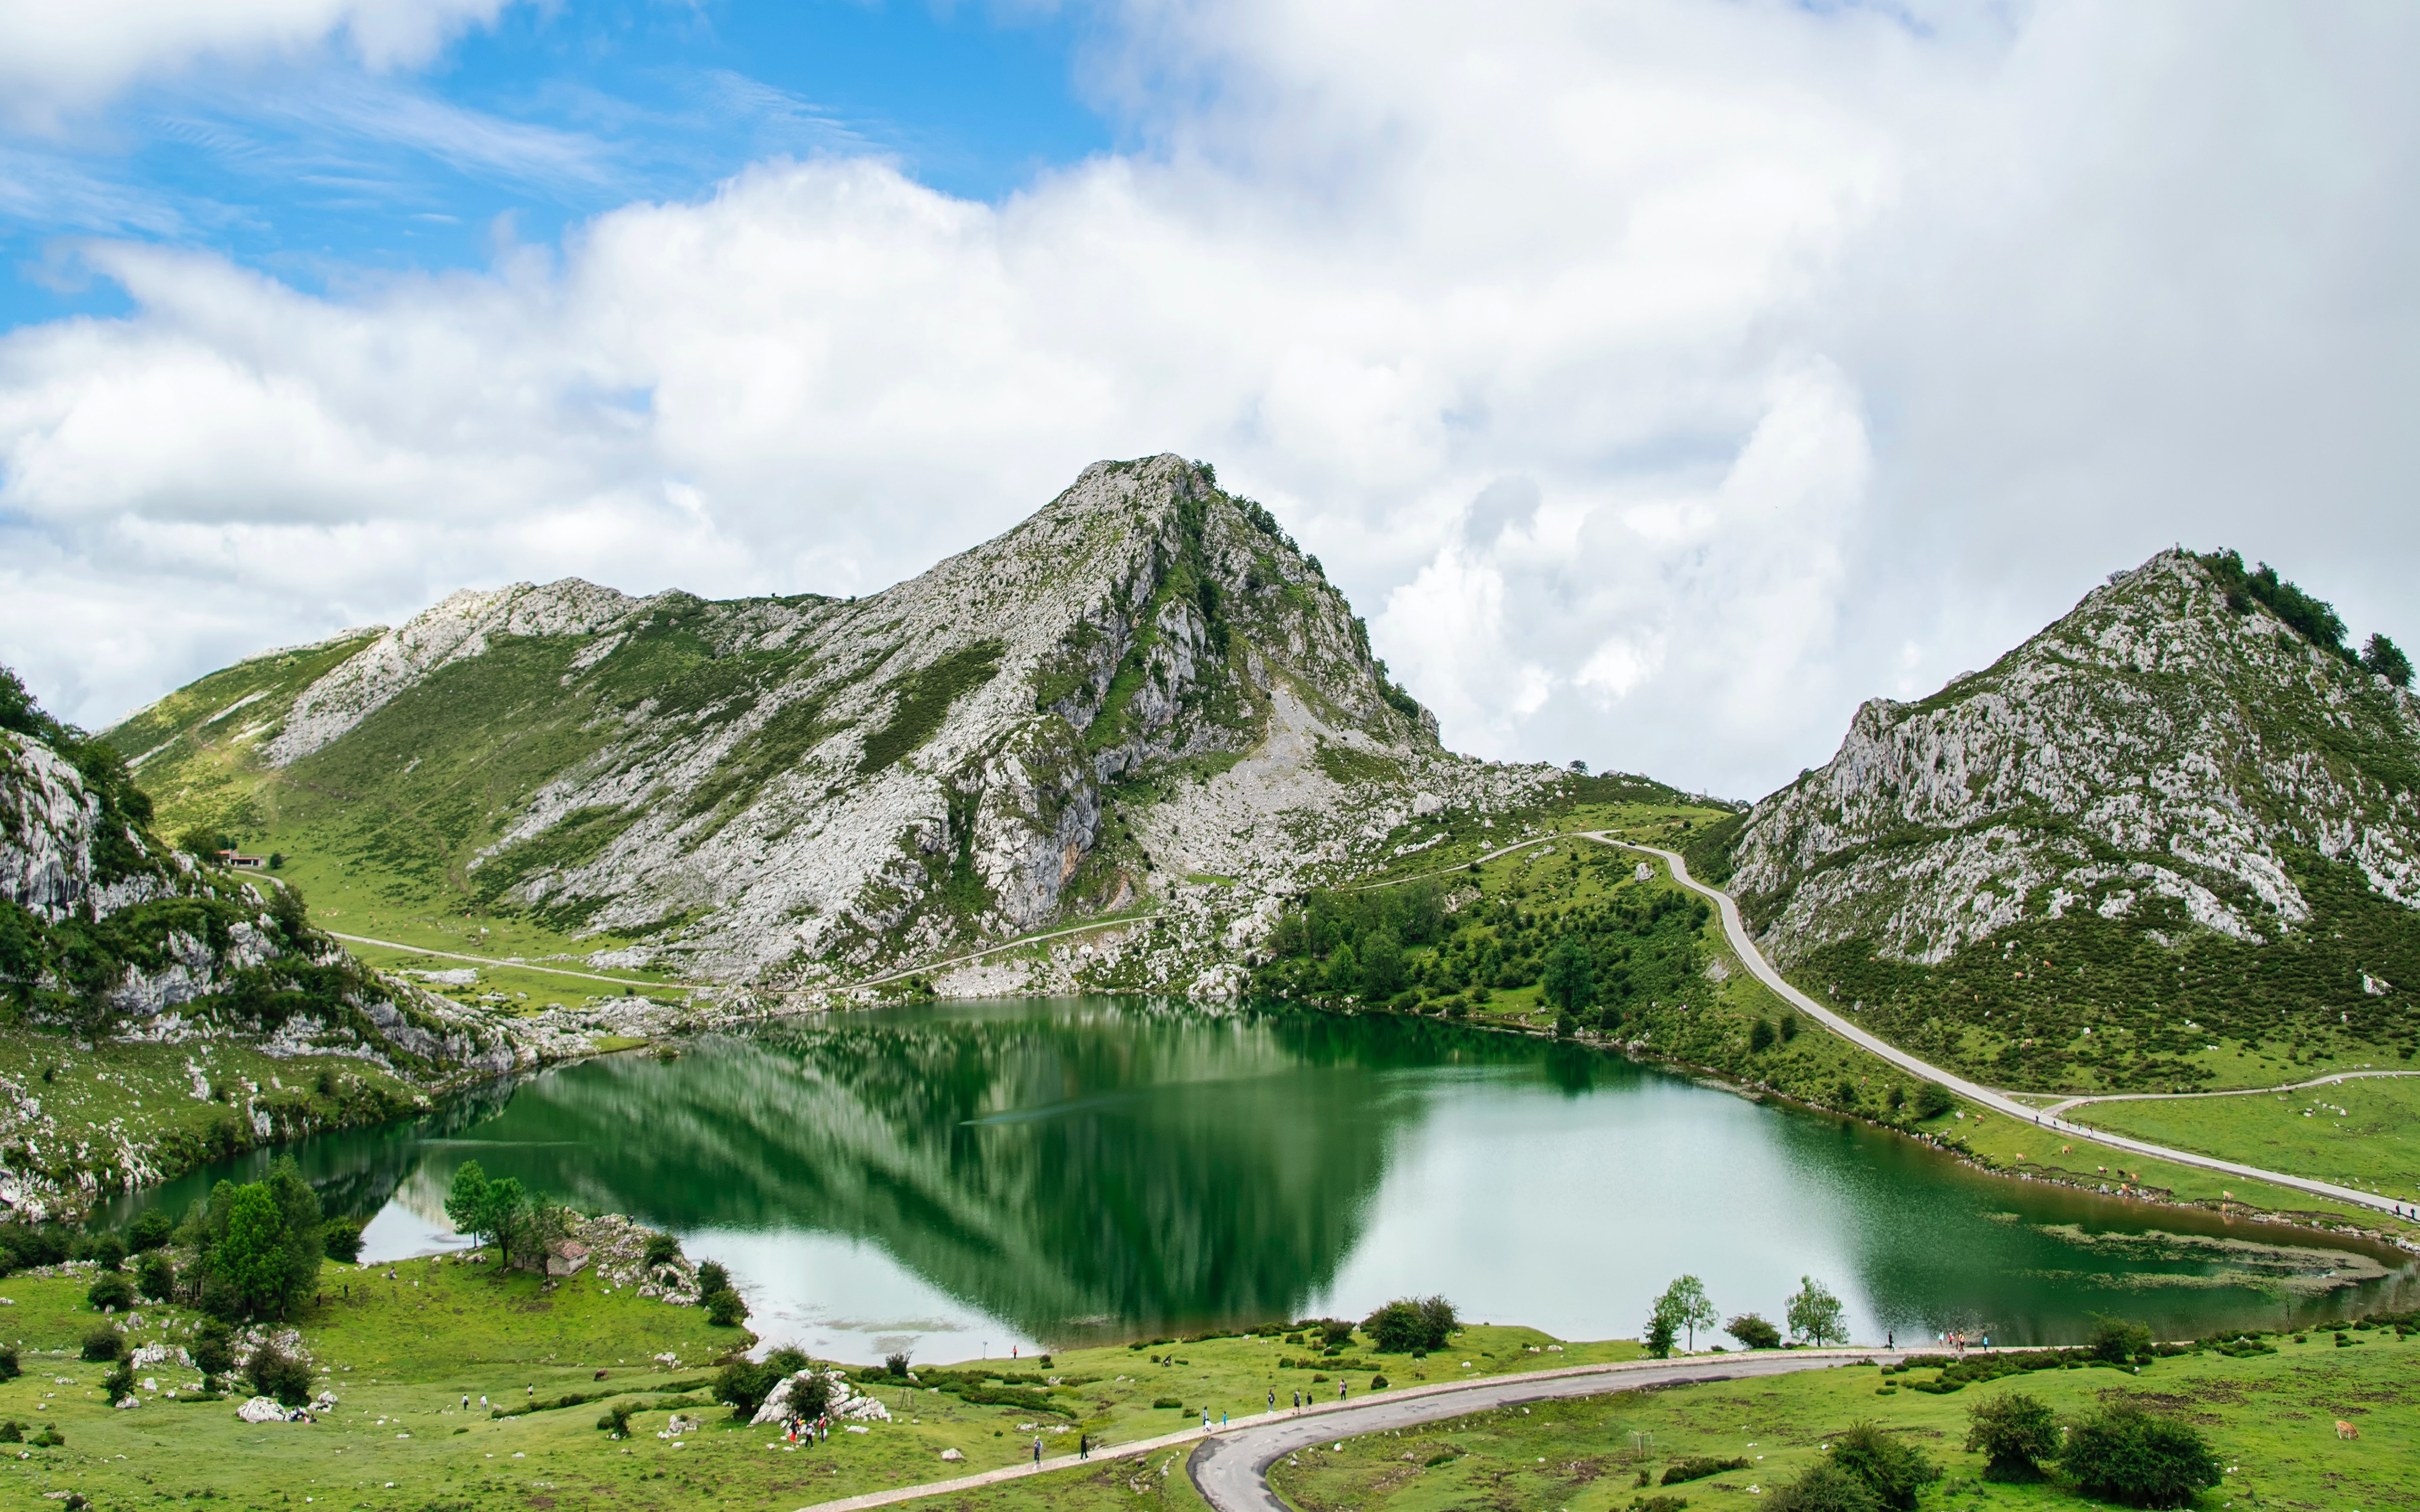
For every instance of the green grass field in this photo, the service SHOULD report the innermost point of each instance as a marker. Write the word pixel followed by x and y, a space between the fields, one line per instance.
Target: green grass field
pixel 2364 1133
pixel 402 1354
pixel 2270 1418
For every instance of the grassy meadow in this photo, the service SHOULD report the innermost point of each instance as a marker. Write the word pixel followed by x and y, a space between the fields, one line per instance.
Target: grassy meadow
pixel 2364 1133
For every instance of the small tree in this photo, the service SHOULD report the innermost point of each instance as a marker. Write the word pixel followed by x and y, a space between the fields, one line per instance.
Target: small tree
pixel 1344 972
pixel 342 1240
pixel 726 1309
pixel 1789 1027
pixel 1660 1335
pixel 2130 1454
pixel 2016 1431
pixel 1933 1100
pixel 2382 658
pixel 1686 1303
pixel 213 1349
pixel 1753 1332
pixel 1569 980
pixel 1760 1037
pixel 250 1261
pixel 1816 1315
pixel 279 1376
pixel 489 1212
pixel 1382 965
pixel 1410 1326
pixel 109 1291
pixel 2118 1341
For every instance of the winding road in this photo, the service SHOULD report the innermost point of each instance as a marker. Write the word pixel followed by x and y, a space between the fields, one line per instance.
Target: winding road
pixel 2000 1103
pixel 1232 1468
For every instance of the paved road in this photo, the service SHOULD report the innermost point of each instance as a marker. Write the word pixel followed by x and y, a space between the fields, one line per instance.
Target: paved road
pixel 2232 1091
pixel 1974 1092
pixel 1232 1468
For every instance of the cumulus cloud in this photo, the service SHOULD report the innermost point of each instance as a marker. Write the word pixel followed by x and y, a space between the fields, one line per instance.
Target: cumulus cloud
pixel 1662 378
pixel 58 56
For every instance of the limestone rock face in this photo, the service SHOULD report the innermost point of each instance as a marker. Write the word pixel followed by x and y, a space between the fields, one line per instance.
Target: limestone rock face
pixel 2156 741
pixel 1144 681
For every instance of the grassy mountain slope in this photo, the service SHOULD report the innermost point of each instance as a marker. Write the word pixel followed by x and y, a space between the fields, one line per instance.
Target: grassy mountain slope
pixel 2171 842
pixel 1143 686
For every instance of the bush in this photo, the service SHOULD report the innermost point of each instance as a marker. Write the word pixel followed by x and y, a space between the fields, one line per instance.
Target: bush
pixel 617 1419
pixel 1335 1333
pixel 1824 1487
pixel 2016 1431
pixel 48 1437
pixel 711 1278
pixel 2126 1452
pixel 1682 1471
pixel 1933 1100
pixel 1377 1383
pixel 213 1349
pixel 275 1374
pixel 724 1309
pixel 2119 1342
pixel 155 1276
pixel 9 1368
pixel 12 1432
pixel 149 1231
pixel 119 1383
pixel 102 1344
pixel 896 1364
pixel 662 1249
pixel 1894 1470
pixel 1753 1332
pixel 1760 1037
pixel 1409 1325
pixel 1163 1403
pixel 110 1289
pixel 341 1239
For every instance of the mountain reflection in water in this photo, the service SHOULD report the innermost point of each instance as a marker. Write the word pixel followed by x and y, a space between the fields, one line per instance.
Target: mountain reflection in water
pixel 1051 1170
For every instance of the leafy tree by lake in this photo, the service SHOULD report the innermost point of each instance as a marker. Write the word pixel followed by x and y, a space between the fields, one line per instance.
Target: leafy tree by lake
pixel 1661 1334
pixel 1569 980
pixel 2118 1341
pixel 342 1240
pixel 2016 1431
pixel 260 1243
pixel 492 1212
pixel 1382 965
pixel 1933 1100
pixel 1816 1315
pixel 1753 1332
pixel 1344 972
pixel 2130 1455
pixel 1685 1306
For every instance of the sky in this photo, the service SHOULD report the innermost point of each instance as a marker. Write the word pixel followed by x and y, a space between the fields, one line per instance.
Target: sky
pixel 1661 378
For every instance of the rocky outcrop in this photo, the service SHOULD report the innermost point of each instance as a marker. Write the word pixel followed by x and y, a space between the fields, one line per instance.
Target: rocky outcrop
pixel 2161 740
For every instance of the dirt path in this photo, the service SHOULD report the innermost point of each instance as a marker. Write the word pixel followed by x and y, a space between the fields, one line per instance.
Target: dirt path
pixel 2056 1108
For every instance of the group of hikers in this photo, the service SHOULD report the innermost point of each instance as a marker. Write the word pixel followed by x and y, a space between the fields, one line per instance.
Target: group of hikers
pixel 816 1429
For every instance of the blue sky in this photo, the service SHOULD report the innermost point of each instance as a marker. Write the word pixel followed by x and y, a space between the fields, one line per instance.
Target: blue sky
pixel 321 172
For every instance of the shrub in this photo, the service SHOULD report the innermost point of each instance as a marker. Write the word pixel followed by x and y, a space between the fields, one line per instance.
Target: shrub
pixel 149 1231
pixel 897 1363
pixel 745 1384
pixel 662 1249
pixel 2118 1341
pixel 1682 1471
pixel 1335 1333
pixel 119 1383
pixel 1824 1487
pixel 1760 1037
pixel 1377 1383
pixel 342 1240
pixel 1162 1403
pixel 1789 1027
pixel 102 1344
pixel 105 1247
pixel 617 1419
pixel 213 1349
pixel 48 1437
pixel 1407 1325
pixel 1753 1332
pixel 12 1432
pixel 2126 1452
pixel 724 1309
pixel 275 1374
pixel 711 1278
pixel 155 1276
pixel 1895 1471
pixel 9 1368
pixel 1933 1100
pixel 2016 1431
pixel 110 1289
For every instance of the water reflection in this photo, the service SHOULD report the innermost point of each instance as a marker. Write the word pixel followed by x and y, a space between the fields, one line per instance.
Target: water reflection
pixel 1047 1171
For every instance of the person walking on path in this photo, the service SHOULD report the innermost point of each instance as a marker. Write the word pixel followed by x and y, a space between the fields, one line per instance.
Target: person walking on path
pixel 1037 1451
pixel 1205 1419
pixel 1297 1398
pixel 1273 1399
pixel 1340 1391
pixel 1083 1447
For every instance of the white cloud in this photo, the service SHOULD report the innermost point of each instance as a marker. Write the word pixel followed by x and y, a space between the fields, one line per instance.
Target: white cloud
pixel 1663 378
pixel 58 56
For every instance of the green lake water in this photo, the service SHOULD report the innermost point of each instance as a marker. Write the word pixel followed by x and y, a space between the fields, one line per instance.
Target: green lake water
pixel 961 1177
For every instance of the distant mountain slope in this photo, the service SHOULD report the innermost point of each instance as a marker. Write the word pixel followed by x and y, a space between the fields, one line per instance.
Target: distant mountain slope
pixel 2172 817
pixel 1144 681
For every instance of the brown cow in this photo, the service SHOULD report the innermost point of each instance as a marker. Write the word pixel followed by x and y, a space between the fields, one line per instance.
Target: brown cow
pixel 2346 1431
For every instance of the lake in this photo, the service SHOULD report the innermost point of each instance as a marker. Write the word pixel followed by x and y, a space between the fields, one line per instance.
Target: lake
pixel 961 1177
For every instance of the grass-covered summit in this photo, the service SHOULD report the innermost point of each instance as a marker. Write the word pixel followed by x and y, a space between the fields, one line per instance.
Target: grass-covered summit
pixel 1146 682
pixel 2172 840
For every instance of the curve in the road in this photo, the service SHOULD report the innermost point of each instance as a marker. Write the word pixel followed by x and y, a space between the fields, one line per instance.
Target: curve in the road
pixel 1232 1470
pixel 1736 931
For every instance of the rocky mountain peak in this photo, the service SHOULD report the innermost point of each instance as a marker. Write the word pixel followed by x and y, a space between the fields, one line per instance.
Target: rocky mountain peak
pixel 2172 735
